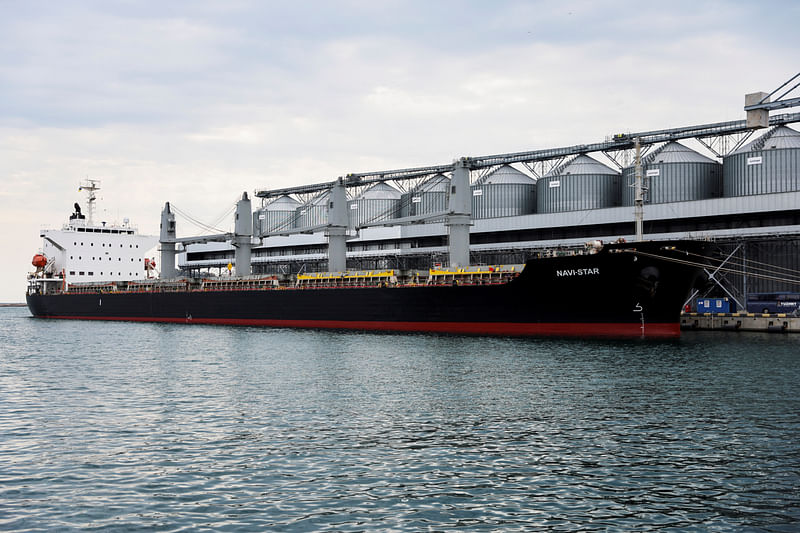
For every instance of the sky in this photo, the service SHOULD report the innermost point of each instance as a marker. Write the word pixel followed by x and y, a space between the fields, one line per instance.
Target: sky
pixel 196 101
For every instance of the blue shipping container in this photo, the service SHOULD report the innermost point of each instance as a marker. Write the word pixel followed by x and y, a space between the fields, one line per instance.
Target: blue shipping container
pixel 774 302
pixel 715 305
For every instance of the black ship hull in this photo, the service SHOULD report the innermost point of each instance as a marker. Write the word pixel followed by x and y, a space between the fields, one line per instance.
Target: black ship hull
pixel 622 291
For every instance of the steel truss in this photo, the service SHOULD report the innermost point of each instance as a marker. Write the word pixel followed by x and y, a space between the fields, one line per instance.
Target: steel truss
pixel 720 138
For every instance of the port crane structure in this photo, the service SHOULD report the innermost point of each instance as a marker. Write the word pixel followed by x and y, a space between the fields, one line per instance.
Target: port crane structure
pixel 720 138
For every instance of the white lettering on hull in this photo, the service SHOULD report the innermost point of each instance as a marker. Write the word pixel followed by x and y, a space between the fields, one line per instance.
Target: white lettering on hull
pixel 578 272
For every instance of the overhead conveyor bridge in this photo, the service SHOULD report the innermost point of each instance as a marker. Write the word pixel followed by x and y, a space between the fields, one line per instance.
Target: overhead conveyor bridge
pixel 619 142
pixel 714 136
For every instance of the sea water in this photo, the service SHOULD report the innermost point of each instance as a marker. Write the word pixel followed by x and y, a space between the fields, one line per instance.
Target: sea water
pixel 125 426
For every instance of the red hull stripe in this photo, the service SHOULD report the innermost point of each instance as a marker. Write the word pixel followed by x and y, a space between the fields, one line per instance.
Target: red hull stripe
pixel 582 329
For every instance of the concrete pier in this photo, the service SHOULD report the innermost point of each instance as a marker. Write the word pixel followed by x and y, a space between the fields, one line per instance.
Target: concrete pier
pixel 775 323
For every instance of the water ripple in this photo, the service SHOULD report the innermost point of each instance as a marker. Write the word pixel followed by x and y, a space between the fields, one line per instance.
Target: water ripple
pixel 171 428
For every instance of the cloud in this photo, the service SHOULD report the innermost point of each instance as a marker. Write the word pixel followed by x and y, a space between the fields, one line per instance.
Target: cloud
pixel 194 102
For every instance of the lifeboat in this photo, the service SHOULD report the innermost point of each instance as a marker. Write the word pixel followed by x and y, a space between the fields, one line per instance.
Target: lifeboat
pixel 39 261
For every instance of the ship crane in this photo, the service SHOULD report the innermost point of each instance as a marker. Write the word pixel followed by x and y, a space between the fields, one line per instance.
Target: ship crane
pixel 241 238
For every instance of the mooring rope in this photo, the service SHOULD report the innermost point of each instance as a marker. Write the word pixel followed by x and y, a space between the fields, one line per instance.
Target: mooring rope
pixel 768 267
pixel 200 224
pixel 698 264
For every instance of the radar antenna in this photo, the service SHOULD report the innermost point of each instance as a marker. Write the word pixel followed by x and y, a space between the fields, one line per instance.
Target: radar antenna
pixel 90 186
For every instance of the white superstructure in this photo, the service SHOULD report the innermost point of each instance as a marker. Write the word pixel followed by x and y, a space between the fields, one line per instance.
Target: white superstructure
pixel 82 251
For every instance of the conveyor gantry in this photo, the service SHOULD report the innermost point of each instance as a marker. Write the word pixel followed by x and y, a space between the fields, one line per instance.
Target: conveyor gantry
pixel 458 214
pixel 620 141
pixel 459 208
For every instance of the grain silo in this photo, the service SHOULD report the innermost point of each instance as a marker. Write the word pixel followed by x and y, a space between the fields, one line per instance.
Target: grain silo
pixel 430 196
pixel 581 183
pixel 674 173
pixel 313 213
pixel 769 164
pixel 378 203
pixel 276 215
pixel 504 192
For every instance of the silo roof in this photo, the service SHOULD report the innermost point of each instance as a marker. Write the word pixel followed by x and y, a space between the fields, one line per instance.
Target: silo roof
pixel 283 203
pixel 778 138
pixel 505 174
pixel 581 164
pixel 438 183
pixel 320 199
pixel 380 191
pixel 675 152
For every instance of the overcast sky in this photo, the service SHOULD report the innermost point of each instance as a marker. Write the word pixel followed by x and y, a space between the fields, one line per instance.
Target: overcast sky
pixel 195 101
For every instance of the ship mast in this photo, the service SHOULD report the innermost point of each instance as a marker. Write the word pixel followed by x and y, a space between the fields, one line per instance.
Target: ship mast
pixel 90 186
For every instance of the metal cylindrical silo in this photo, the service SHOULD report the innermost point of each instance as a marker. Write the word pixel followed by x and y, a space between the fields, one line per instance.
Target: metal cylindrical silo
pixel 769 164
pixel 275 216
pixel 505 192
pixel 314 212
pixel 581 183
pixel 674 173
pixel 430 196
pixel 378 203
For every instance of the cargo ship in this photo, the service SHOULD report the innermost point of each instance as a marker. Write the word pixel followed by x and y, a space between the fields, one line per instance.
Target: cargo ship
pixel 93 271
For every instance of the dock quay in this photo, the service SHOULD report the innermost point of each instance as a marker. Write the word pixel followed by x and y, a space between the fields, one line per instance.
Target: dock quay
pixel 764 322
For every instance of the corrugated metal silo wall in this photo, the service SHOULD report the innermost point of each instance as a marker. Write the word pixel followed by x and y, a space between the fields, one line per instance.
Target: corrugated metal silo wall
pixel 279 220
pixel 768 262
pixel 432 202
pixel 761 172
pixel 426 202
pixel 372 210
pixel 312 215
pixel 675 182
pixel 576 192
pixel 495 200
pixel 406 205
